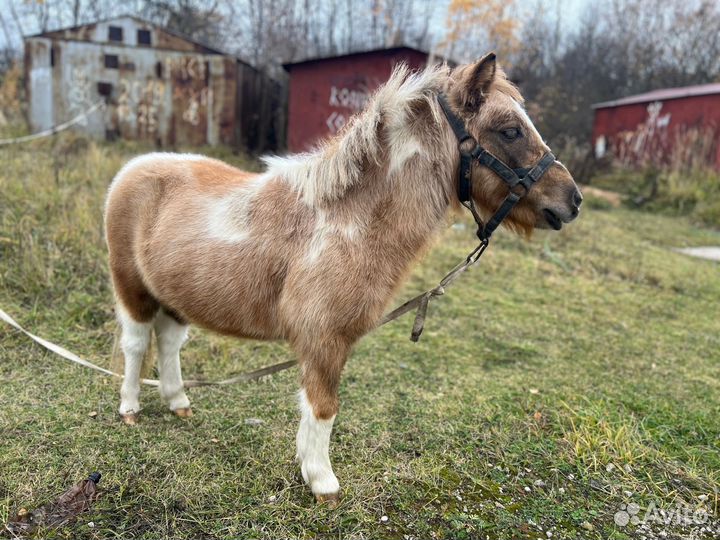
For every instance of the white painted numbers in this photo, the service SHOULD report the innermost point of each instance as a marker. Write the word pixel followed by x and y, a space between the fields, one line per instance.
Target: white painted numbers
pixel 143 98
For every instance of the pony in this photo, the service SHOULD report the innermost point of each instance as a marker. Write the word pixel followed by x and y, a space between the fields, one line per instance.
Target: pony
pixel 312 249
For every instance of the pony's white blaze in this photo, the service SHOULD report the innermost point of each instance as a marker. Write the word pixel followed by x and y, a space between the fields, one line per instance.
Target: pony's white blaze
pixel 170 337
pixel 134 343
pixel 524 115
pixel 313 450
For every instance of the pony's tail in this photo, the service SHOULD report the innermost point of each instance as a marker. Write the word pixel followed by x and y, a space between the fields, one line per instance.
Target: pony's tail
pixel 117 361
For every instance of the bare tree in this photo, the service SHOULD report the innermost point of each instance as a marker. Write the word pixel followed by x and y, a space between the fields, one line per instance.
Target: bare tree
pixel 605 57
pixel 476 26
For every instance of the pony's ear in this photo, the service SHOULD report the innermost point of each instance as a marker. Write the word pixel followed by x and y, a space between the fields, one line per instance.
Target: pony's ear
pixel 477 80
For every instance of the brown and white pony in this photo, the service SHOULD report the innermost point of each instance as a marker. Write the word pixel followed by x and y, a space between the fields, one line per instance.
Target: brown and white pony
pixel 312 249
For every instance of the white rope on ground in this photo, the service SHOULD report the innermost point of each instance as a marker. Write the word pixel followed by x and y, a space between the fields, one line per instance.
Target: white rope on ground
pixel 55 129
pixel 63 352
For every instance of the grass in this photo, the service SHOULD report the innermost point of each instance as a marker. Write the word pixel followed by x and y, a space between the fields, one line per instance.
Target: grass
pixel 559 380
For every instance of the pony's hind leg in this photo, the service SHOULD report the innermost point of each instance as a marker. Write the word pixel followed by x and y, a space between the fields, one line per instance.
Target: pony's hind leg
pixel 171 334
pixel 134 341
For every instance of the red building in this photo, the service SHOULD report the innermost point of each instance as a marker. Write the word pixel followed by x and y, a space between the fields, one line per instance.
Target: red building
pixel 325 92
pixel 661 127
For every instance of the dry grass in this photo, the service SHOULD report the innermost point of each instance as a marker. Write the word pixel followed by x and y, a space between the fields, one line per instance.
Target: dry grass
pixel 556 378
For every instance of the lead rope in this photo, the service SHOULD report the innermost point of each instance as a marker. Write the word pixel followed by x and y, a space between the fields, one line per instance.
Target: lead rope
pixel 68 355
pixel 421 301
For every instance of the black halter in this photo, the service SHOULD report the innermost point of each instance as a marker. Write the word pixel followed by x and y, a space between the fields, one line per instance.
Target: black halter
pixel 525 176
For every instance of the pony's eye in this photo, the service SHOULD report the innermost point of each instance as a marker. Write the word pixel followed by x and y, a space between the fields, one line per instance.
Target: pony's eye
pixel 511 134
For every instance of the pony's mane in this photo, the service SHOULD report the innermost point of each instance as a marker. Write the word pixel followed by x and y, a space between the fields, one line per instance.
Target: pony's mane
pixel 337 164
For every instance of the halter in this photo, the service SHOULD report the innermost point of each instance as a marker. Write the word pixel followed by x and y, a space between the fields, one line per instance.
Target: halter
pixel 523 176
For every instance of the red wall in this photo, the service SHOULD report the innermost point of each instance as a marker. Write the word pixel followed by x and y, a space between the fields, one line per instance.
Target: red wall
pixel 629 127
pixel 325 93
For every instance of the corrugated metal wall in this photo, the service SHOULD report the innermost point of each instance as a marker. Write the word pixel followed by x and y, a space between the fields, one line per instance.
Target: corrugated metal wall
pixel 171 92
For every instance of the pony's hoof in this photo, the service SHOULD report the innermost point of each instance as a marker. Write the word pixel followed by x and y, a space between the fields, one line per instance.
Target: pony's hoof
pixel 185 412
pixel 331 500
pixel 129 419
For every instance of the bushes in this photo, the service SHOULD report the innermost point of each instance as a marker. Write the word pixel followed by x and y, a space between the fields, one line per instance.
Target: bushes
pixel 693 192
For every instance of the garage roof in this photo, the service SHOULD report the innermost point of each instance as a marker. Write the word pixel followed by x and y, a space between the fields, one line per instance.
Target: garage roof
pixel 662 95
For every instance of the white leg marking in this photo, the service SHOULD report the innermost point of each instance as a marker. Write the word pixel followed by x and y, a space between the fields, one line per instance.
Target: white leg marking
pixel 170 337
pixel 133 342
pixel 313 450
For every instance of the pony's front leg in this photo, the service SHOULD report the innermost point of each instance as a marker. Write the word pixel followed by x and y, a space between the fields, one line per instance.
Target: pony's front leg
pixel 321 365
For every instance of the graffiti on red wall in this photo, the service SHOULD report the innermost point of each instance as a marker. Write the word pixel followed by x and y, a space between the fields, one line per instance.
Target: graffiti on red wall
pixel 649 140
pixel 351 100
pixel 658 141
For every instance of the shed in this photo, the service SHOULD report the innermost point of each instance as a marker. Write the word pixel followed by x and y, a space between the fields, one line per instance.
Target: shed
pixel 158 86
pixel 661 127
pixel 325 92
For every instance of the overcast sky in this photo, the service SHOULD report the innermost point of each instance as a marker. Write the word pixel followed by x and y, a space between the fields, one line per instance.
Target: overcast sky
pixel 570 10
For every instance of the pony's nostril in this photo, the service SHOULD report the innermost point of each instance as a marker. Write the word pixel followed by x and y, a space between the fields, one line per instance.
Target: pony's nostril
pixel 575 211
pixel 577 198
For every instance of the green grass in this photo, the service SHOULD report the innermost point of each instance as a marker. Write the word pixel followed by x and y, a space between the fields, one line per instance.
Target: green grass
pixel 558 380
